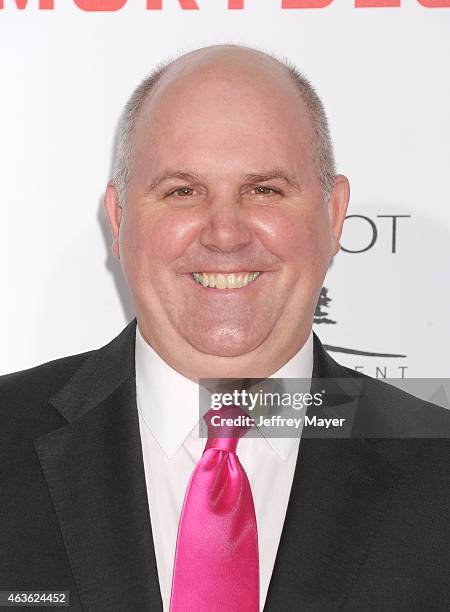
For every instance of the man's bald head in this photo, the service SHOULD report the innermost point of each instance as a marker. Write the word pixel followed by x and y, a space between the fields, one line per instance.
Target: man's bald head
pixel 224 62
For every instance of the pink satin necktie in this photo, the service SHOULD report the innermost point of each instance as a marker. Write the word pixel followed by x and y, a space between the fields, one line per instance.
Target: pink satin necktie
pixel 216 560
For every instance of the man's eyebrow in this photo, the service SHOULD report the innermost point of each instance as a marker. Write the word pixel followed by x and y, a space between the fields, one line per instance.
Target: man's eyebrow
pixel 189 177
pixel 251 178
pixel 270 176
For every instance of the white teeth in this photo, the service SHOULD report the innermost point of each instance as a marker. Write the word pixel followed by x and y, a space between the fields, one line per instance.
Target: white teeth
pixel 221 281
pixel 225 281
pixel 232 281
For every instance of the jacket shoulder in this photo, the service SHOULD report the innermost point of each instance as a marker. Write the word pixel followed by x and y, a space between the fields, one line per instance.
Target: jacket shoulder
pixel 24 395
pixel 41 379
pixel 32 401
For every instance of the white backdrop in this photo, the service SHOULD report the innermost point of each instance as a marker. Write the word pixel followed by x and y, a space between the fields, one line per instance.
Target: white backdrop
pixel 383 74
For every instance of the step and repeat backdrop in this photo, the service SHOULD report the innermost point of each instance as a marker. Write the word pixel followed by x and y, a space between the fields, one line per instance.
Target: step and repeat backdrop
pixel 382 69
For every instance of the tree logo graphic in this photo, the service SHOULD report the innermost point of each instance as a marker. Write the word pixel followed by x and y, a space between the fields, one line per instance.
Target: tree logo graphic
pixel 321 316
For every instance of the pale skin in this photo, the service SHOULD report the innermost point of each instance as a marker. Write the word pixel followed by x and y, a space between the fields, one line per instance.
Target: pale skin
pixel 223 180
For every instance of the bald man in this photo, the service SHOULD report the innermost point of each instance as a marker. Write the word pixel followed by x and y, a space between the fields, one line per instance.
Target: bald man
pixel 225 210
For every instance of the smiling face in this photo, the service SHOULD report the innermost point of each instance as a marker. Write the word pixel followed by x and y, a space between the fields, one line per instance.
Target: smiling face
pixel 225 236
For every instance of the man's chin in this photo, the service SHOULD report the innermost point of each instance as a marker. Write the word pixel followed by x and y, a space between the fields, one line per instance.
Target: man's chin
pixel 225 344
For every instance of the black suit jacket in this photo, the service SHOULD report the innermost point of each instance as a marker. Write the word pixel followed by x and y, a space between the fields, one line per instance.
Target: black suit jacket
pixel 366 529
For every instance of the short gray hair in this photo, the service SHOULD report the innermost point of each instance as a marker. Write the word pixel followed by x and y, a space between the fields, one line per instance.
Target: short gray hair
pixel 323 146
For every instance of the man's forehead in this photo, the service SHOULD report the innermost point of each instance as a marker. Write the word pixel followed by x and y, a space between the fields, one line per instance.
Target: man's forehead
pixel 222 66
pixel 219 104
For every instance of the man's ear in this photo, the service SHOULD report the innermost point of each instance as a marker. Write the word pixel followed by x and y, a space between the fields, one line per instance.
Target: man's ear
pixel 114 212
pixel 337 208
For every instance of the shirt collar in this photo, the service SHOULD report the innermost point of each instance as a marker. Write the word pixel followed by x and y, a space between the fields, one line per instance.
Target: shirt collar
pixel 168 401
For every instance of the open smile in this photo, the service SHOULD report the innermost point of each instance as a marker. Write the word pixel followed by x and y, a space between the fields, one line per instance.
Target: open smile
pixel 218 280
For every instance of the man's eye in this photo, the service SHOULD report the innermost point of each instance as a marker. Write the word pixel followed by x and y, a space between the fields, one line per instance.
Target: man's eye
pixel 182 191
pixel 261 190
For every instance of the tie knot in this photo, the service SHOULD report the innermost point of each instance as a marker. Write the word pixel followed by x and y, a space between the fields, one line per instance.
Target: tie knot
pixel 225 427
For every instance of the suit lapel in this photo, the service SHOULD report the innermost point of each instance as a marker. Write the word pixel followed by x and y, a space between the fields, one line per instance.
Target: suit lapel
pixel 94 471
pixel 340 491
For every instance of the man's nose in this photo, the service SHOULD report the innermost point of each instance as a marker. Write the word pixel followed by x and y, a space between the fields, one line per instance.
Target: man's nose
pixel 227 226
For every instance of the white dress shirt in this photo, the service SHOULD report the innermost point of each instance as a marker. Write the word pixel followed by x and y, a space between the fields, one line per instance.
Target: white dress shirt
pixel 168 406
